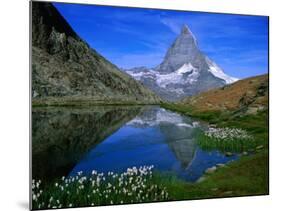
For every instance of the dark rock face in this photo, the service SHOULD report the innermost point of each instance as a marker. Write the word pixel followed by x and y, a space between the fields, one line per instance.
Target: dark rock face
pixel 185 71
pixel 65 68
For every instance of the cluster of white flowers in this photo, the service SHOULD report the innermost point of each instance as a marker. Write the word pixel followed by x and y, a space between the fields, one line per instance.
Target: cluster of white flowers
pixel 228 134
pixel 37 193
pixel 132 186
pixel 36 186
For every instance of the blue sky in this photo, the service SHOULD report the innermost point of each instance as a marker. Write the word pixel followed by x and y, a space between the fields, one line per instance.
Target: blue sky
pixel 131 37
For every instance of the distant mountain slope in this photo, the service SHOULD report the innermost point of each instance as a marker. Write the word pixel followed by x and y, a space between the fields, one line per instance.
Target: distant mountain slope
pixel 66 70
pixel 185 71
pixel 249 95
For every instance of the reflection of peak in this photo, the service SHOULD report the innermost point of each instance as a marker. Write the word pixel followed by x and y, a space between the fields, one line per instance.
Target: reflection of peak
pixel 156 117
pixel 178 131
pixel 184 150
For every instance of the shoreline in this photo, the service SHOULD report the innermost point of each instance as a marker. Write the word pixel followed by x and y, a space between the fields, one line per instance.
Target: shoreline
pixel 81 103
pixel 249 167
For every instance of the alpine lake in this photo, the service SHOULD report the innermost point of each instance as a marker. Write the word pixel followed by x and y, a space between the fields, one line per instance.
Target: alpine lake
pixel 68 140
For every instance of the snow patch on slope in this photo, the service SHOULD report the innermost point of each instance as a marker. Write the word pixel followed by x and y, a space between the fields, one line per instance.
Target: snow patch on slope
pixel 185 68
pixel 173 78
pixel 218 72
pixel 140 74
pixel 177 77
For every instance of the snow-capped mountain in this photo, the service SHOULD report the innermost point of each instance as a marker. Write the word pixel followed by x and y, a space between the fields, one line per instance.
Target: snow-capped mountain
pixel 185 71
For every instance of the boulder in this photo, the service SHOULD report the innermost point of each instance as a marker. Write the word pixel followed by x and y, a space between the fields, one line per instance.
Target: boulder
pixel 201 179
pixel 259 147
pixel 228 154
pixel 211 170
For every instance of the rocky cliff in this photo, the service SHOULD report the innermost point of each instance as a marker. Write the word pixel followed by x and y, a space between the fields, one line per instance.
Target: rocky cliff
pixel 65 70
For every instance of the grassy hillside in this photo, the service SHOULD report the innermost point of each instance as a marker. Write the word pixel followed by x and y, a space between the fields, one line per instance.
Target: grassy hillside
pixel 249 95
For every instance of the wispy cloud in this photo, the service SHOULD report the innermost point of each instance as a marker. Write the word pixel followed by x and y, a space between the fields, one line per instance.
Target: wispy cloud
pixel 173 25
pixel 140 37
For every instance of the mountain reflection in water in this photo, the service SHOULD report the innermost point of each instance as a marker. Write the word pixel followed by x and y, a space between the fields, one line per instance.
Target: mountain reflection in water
pixel 156 137
pixel 104 138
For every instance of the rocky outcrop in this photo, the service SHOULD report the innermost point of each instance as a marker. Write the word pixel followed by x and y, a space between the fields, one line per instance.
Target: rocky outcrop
pixel 66 70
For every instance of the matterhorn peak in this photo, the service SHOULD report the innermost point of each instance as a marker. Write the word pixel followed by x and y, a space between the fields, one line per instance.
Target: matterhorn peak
pixel 184 50
pixel 185 29
pixel 184 71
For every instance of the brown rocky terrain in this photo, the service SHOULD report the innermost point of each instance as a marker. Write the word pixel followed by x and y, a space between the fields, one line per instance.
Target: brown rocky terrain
pixel 249 95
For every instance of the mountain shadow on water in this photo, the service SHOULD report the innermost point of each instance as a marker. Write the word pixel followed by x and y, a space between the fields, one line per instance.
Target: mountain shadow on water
pixel 62 136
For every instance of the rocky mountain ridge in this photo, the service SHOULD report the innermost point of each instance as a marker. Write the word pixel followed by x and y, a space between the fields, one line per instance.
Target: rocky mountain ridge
pixel 65 70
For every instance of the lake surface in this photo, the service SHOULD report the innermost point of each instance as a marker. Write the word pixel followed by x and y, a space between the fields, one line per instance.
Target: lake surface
pixel 66 141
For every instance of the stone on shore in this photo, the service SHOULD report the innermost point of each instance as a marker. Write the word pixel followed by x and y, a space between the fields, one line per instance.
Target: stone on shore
pixel 211 170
